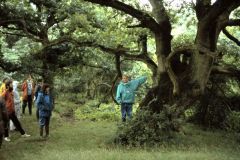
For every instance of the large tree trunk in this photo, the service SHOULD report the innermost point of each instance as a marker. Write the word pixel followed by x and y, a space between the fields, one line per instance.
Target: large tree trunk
pixel 209 27
pixel 212 19
pixel 203 57
pixel 159 94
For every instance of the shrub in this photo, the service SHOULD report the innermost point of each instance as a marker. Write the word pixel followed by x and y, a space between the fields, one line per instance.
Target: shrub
pixel 232 122
pixel 95 112
pixel 148 128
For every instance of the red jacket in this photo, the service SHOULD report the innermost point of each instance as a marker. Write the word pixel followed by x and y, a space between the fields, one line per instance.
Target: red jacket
pixel 9 101
pixel 25 88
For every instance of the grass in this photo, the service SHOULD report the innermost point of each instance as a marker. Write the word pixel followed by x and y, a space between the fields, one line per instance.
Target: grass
pixel 73 139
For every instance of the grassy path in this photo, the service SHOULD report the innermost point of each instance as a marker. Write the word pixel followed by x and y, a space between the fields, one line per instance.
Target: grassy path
pixel 85 140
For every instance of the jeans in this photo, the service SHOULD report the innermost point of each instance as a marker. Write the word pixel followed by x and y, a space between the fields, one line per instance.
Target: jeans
pixel 126 110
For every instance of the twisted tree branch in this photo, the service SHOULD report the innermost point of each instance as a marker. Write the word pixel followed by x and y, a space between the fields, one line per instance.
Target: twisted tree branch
pixel 231 37
pixel 145 19
pixel 226 70
pixel 233 22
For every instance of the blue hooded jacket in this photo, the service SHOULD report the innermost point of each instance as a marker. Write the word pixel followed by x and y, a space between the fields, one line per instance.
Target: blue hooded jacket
pixel 44 104
pixel 126 91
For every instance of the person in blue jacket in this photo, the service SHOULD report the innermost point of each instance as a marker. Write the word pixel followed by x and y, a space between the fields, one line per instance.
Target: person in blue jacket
pixel 126 94
pixel 44 105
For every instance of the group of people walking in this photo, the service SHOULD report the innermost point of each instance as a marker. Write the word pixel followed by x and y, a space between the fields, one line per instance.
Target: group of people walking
pixel 10 103
pixel 10 106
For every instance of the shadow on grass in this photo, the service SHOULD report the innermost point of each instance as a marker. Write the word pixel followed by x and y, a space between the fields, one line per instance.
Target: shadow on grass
pixel 36 139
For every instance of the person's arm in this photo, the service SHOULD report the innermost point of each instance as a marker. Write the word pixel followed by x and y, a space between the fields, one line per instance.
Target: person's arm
pixel 4 111
pixel 52 102
pixel 3 95
pixel 33 88
pixel 139 81
pixel 118 95
pixel 2 88
pixel 39 101
pixel 36 93
pixel 23 86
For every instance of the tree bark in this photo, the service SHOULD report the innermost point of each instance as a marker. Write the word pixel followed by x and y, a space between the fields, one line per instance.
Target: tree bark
pixel 212 20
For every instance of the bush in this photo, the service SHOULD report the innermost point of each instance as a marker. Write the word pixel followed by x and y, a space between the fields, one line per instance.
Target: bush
pixel 148 128
pixel 95 112
pixel 233 121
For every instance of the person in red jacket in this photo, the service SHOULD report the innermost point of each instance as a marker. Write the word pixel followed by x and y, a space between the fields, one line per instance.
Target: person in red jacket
pixel 9 103
pixel 28 94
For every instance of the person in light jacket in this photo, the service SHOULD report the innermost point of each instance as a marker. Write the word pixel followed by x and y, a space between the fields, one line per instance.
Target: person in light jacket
pixel 126 94
pixel 17 103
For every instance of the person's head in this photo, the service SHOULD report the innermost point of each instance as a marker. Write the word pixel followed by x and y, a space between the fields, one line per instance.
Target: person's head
pixel 125 78
pixel 9 85
pixel 45 88
pixel 40 81
pixel 29 77
pixel 5 80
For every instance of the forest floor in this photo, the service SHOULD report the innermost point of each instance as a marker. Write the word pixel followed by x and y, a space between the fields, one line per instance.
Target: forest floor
pixel 85 140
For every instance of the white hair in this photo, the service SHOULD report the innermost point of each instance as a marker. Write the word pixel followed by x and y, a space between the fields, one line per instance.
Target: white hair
pixel 126 74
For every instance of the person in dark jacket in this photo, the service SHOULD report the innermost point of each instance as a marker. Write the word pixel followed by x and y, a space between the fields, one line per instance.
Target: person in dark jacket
pixel 44 104
pixel 3 119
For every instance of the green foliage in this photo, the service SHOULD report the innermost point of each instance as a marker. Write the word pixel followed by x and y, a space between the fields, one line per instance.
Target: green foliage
pixel 66 108
pixel 85 80
pixel 183 40
pixel 148 128
pixel 212 116
pixel 93 111
pixel 233 121
pixel 232 88
pixel 189 112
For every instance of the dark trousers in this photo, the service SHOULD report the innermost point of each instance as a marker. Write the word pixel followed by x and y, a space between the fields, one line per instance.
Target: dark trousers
pixel 29 102
pixel 1 132
pixel 1 138
pixel 37 114
pixel 126 110
pixel 16 123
